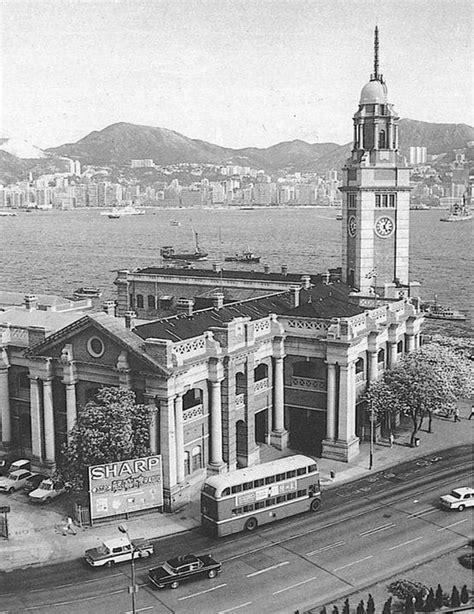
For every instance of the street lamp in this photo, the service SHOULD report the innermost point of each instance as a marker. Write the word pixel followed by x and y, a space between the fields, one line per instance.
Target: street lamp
pixel 371 454
pixel 133 588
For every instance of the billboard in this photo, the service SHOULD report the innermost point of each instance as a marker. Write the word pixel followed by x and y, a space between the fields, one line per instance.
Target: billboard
pixel 125 486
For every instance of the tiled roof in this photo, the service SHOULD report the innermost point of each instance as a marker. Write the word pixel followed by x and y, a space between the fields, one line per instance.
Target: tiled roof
pixel 322 301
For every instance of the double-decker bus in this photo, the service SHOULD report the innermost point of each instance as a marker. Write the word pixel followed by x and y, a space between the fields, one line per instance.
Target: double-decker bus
pixel 243 499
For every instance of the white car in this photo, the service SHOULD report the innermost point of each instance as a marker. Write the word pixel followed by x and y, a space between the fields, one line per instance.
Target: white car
pixel 47 491
pixel 14 481
pixel 458 499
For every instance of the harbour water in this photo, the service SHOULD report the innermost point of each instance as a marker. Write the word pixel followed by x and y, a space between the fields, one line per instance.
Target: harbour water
pixel 57 251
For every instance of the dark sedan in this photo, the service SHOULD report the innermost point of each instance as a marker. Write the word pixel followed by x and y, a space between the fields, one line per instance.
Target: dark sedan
pixel 182 568
pixel 33 482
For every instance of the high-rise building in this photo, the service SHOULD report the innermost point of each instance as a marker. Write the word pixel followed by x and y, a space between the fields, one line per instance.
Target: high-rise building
pixel 418 155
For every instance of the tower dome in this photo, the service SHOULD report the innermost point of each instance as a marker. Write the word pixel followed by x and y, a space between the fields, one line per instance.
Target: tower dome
pixel 374 92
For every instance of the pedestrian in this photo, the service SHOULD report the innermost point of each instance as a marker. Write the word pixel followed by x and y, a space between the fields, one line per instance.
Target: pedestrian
pixel 456 415
pixel 472 412
pixel 391 439
pixel 69 527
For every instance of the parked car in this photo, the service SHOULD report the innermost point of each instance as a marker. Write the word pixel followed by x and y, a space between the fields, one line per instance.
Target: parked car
pixel 8 464
pixel 458 499
pixel 14 481
pixel 182 568
pixel 33 482
pixel 47 491
pixel 118 550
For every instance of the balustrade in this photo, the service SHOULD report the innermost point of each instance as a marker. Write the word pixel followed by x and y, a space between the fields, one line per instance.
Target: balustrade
pixel 196 411
pixel 261 385
pixel 239 399
pixel 308 383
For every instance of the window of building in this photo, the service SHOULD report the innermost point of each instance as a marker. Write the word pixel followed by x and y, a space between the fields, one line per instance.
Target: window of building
pixel 187 463
pixel 351 200
pixel 132 301
pixel 139 301
pixel 151 302
pixel 95 347
pixel 385 201
pixel 197 458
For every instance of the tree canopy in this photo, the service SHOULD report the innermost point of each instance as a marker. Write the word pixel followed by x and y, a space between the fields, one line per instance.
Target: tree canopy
pixel 423 383
pixel 111 427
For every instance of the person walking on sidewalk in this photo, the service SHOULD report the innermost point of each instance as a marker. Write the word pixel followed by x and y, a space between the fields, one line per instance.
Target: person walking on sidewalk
pixel 456 415
pixel 69 527
pixel 391 439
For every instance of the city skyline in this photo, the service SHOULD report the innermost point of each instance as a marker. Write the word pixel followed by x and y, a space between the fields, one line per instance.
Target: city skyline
pixel 234 73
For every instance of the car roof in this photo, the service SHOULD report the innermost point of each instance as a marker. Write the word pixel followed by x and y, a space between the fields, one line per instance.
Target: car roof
pixel 464 490
pixel 20 472
pixel 116 542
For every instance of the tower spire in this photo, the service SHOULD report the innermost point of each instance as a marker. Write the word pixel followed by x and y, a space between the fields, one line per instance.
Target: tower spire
pixel 376 54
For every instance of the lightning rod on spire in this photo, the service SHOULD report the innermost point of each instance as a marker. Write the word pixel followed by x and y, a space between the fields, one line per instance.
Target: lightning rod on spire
pixel 376 54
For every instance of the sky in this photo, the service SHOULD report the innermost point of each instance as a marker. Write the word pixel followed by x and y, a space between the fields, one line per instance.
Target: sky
pixel 236 73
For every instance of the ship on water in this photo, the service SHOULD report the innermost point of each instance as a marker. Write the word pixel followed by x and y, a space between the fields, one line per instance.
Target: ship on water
pixel 246 257
pixel 169 253
pixel 432 309
pixel 117 212
pixel 459 212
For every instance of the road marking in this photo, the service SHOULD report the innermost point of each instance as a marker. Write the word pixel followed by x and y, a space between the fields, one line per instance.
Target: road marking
pixel 324 548
pixel 452 525
pixel 150 607
pixel 423 513
pixel 377 529
pixel 293 586
pixel 236 607
pixel 404 543
pixel 354 562
pixel 58 603
pixel 256 573
pixel 214 588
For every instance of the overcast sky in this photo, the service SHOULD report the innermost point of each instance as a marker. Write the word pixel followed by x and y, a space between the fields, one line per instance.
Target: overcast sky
pixel 233 72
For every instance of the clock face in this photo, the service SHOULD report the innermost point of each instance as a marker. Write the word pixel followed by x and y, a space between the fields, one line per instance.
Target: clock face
pixel 352 225
pixel 384 226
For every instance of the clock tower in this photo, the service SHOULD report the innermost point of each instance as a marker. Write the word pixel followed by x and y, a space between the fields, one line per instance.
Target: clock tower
pixel 376 195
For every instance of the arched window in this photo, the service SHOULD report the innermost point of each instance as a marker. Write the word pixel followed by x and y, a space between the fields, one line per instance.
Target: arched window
pixel 305 368
pixel 192 397
pixel 187 463
pixel 381 357
pixel 197 458
pixel 382 143
pixel 400 347
pixel 151 302
pixel 240 383
pixel 139 301
pixel 132 301
pixel 360 365
pixel 261 372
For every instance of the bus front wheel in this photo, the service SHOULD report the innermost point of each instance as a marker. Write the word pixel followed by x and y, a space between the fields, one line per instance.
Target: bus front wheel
pixel 251 524
pixel 315 505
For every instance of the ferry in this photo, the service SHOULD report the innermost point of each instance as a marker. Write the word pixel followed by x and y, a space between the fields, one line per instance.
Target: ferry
pixel 439 312
pixel 7 214
pixel 86 292
pixel 168 252
pixel 247 257
pixel 117 212
pixel 459 212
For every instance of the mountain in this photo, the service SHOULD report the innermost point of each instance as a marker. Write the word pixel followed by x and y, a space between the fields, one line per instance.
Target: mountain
pixel 21 149
pixel 119 143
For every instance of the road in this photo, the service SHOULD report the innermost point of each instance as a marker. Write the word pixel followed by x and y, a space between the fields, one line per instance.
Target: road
pixel 368 530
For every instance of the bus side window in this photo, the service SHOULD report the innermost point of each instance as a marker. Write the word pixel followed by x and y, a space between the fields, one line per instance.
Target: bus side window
pixel 291 495
pixel 270 502
pixel 301 471
pixel 280 477
pixel 302 493
pixel 270 479
pixel 259 482
pixel 225 492
pixel 291 474
pixel 236 511
pixel 281 498
pixel 237 488
pixel 312 468
pixel 259 505
pixel 248 485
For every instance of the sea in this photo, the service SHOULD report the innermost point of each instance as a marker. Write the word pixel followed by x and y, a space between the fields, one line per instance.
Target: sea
pixel 55 252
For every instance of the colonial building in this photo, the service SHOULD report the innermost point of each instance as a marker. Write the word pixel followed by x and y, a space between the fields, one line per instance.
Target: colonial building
pixel 251 358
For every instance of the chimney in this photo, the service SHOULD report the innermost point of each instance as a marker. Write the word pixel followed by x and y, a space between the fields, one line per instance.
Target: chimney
pixel 31 302
pixel 306 281
pixel 266 269
pixel 218 300
pixel 184 306
pixel 326 278
pixel 109 307
pixel 129 317
pixel 284 269
pixel 295 296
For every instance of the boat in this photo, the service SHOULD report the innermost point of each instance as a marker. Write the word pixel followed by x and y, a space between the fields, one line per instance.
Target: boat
pixel 458 212
pixel 7 214
pixel 175 223
pixel 117 212
pixel 168 252
pixel 433 309
pixel 246 256
pixel 87 292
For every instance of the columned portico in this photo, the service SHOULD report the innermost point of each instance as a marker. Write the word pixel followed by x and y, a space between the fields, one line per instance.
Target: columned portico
pixel 5 400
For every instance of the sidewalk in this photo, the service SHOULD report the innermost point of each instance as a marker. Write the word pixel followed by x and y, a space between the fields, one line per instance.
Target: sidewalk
pixel 36 535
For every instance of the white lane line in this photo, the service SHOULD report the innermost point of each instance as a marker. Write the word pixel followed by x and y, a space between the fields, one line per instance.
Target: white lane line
pixel 452 525
pixel 324 548
pixel 257 573
pixel 237 607
pixel 377 529
pixel 354 562
pixel 410 541
pixel 294 586
pixel 150 607
pixel 58 603
pixel 423 513
pixel 214 588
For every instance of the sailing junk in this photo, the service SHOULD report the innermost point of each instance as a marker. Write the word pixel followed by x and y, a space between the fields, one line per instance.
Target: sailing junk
pixel 168 252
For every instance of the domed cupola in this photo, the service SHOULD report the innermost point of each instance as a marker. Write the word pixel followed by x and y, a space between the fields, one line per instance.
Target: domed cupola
pixel 374 92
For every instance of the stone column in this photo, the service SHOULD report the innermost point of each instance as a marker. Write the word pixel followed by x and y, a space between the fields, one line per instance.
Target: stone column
pixel 5 400
pixel 50 447
pixel 178 408
pixel 331 402
pixel 168 443
pixel 216 425
pixel 376 136
pixel 344 402
pixel 411 344
pixel 278 423
pixel 71 410
pixel 153 429
pixel 373 369
pixel 35 415
pixel 392 354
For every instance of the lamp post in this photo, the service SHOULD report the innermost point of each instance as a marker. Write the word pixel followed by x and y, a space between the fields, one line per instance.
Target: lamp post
pixel 133 588
pixel 371 454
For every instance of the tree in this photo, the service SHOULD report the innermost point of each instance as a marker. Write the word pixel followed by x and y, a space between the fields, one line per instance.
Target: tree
pixel 111 427
pixel 323 610
pixel 419 600
pixel 346 608
pixel 439 597
pixel 360 607
pixel 406 588
pixel 464 594
pixel 370 605
pixel 422 384
pixel 409 605
pixel 387 606
pixel 335 610
pixel 430 603
pixel 455 601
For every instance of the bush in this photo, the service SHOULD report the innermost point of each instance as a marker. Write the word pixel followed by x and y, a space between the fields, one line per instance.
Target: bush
pixel 455 598
pixel 467 560
pixel 406 588
pixel 464 594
